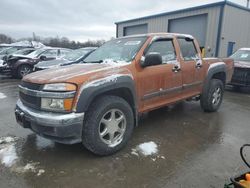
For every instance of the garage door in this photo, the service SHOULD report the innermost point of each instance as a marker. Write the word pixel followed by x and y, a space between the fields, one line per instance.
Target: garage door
pixel 137 29
pixel 193 25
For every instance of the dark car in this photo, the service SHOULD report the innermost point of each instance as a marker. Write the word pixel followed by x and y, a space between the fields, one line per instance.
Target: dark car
pixel 241 76
pixel 74 57
pixel 13 57
pixel 24 64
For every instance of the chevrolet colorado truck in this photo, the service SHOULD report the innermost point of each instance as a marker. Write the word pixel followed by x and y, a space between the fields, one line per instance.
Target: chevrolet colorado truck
pixel 98 102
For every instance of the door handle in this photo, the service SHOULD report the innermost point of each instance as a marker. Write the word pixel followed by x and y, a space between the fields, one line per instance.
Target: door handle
pixel 176 68
pixel 198 65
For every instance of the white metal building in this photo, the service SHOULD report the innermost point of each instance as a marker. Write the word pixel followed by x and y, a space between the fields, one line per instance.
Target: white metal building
pixel 220 27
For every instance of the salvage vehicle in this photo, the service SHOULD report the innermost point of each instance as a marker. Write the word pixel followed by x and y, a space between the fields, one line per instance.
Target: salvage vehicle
pixel 9 50
pixel 22 65
pixel 74 57
pixel 241 75
pixel 98 102
pixel 12 57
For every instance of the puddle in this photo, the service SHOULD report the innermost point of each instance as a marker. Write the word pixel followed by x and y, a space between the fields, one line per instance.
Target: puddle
pixel 9 158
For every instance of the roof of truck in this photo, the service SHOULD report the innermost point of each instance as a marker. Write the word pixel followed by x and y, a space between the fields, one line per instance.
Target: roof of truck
pixel 160 34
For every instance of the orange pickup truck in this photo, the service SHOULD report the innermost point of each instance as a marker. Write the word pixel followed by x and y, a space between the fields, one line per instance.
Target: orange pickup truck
pixel 98 102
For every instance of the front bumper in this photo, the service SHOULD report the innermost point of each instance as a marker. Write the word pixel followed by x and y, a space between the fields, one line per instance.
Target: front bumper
pixel 62 128
pixel 241 77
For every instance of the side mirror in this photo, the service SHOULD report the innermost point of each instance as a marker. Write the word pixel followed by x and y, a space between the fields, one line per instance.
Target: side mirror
pixel 42 57
pixel 151 59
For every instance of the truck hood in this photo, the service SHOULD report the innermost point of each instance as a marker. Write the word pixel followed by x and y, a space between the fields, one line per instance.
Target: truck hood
pixel 242 64
pixel 71 73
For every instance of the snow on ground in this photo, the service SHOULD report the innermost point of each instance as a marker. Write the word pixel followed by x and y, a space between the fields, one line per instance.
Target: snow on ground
pixel 2 96
pixel 147 148
pixel 9 157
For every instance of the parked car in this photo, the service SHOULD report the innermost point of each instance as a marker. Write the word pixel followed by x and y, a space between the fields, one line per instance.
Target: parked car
pixel 241 76
pixel 13 57
pixel 9 50
pixel 74 57
pixel 98 103
pixel 24 64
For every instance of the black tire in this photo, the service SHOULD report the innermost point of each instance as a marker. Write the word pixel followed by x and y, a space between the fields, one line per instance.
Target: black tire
pixel 22 68
pixel 91 137
pixel 207 101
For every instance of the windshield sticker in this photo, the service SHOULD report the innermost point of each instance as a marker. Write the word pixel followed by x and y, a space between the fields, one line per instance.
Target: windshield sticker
pixel 132 43
pixel 244 56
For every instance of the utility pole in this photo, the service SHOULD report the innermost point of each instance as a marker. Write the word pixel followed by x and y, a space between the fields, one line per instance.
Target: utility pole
pixel 247 3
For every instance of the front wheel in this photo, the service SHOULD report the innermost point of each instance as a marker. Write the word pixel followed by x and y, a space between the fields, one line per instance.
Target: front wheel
pixel 108 125
pixel 23 70
pixel 211 99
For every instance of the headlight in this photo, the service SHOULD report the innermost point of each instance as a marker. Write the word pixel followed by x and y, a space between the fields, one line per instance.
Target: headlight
pixel 56 104
pixel 59 87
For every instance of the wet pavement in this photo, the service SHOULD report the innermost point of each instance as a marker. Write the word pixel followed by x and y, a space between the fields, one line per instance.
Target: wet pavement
pixel 195 149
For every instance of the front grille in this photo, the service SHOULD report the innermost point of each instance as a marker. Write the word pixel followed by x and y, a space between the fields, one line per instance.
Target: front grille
pixel 30 101
pixel 241 76
pixel 32 86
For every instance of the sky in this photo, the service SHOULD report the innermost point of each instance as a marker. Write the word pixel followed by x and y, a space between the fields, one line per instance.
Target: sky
pixel 80 20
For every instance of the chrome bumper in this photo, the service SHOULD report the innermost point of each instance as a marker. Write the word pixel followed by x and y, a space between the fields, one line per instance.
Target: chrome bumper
pixel 63 128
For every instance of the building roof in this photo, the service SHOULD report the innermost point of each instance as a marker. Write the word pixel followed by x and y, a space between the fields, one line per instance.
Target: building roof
pixel 221 3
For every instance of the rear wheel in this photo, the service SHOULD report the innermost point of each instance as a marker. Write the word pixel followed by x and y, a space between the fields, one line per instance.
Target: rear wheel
pixel 108 125
pixel 211 98
pixel 23 70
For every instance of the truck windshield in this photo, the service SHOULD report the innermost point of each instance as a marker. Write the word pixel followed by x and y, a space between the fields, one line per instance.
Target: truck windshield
pixel 76 54
pixel 118 50
pixel 241 55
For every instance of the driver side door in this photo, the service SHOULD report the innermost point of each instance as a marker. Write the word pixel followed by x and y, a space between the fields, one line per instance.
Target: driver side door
pixel 159 84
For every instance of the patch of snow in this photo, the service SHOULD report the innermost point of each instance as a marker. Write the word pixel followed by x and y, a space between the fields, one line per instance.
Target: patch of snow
pixel 112 62
pixel 8 155
pixel 162 157
pixel 147 148
pixel 95 83
pixel 134 152
pixel 26 43
pixel 2 96
pixel 29 167
pixel 7 139
pixel 40 172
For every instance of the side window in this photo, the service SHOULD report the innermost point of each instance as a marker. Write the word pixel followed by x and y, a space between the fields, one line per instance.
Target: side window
pixel 165 48
pixel 188 49
pixel 63 52
pixel 50 53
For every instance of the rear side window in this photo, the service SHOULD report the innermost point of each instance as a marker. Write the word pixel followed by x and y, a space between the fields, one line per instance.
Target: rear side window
pixel 50 53
pixel 165 48
pixel 188 49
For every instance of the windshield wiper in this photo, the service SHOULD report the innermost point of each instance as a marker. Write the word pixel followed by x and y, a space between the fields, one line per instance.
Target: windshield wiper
pixel 99 61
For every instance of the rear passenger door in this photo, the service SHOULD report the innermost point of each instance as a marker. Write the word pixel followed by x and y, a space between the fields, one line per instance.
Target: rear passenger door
pixel 160 84
pixel 191 66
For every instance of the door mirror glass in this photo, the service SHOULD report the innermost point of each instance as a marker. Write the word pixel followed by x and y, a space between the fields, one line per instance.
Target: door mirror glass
pixel 151 59
pixel 43 57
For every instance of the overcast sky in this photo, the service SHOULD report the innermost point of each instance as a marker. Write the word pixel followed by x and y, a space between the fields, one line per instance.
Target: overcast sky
pixel 80 19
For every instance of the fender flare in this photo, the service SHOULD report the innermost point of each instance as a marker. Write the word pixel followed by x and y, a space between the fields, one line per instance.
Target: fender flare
pixel 90 90
pixel 212 70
